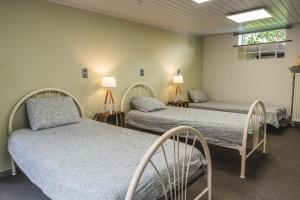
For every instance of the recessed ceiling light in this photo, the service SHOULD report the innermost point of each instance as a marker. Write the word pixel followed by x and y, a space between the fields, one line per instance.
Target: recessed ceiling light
pixel 250 15
pixel 200 1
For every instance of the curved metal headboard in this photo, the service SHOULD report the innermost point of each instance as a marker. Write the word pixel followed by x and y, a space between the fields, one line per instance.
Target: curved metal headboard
pixel 176 185
pixel 256 124
pixel 136 90
pixel 41 93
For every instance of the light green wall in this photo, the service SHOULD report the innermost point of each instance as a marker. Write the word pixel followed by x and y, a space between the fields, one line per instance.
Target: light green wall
pixel 44 44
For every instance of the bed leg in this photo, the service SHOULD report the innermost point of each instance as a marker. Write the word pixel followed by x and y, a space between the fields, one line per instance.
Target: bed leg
pixel 209 194
pixel 265 140
pixel 13 167
pixel 264 148
pixel 243 163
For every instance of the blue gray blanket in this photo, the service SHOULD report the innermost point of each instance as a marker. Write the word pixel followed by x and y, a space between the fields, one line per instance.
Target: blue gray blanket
pixel 220 128
pixel 90 160
pixel 275 114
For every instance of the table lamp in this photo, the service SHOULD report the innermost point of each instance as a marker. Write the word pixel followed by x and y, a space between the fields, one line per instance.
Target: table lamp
pixel 177 80
pixel 109 83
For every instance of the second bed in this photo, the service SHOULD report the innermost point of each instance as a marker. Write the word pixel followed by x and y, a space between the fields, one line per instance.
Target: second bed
pixel 230 130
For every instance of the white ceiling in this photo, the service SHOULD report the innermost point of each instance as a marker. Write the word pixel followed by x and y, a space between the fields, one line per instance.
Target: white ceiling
pixel 192 18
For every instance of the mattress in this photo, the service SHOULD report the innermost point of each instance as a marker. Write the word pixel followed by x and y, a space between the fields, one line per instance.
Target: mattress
pixel 220 128
pixel 274 114
pixel 91 160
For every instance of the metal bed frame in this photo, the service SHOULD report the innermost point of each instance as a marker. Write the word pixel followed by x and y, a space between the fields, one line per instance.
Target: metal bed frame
pixel 178 183
pixel 178 190
pixel 255 124
pixel 41 93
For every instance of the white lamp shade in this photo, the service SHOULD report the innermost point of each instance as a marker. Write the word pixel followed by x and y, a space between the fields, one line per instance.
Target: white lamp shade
pixel 178 79
pixel 109 82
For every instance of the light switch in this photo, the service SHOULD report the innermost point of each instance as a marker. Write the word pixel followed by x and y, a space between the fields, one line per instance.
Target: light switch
pixel 85 73
pixel 141 72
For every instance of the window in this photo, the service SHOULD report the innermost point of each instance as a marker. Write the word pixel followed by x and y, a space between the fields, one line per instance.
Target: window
pixel 264 44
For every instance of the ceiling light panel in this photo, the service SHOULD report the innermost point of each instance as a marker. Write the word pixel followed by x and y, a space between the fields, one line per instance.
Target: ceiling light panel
pixel 200 1
pixel 250 15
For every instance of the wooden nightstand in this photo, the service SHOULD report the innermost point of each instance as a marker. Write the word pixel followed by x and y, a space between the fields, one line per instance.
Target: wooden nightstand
pixel 116 118
pixel 179 103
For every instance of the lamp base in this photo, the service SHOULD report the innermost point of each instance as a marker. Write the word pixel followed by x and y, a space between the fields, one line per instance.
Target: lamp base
pixel 178 95
pixel 109 100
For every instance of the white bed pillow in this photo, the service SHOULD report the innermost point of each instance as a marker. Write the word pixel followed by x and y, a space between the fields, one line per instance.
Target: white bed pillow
pixel 197 96
pixel 147 104
pixel 51 112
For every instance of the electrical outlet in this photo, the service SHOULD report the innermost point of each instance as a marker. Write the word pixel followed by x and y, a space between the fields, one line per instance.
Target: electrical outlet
pixel 85 73
pixel 141 72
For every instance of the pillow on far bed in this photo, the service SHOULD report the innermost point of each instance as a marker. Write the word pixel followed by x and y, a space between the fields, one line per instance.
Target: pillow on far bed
pixel 197 96
pixel 147 104
pixel 51 112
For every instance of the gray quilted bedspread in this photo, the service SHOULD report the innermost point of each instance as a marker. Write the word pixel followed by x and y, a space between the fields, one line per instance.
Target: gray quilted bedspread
pixel 90 160
pixel 274 113
pixel 220 128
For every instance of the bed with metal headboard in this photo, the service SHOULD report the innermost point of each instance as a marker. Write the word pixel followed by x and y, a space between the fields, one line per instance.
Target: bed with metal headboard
pixel 19 109
pixel 230 130
pixel 93 160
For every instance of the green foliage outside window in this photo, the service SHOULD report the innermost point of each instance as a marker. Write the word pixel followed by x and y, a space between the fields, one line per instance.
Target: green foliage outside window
pixel 264 37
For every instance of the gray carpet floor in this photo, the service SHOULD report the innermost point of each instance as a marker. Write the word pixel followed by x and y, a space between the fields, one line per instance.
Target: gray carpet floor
pixel 274 176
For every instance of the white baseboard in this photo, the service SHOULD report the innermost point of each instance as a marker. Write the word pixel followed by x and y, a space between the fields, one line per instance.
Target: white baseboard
pixel 295 124
pixel 5 173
